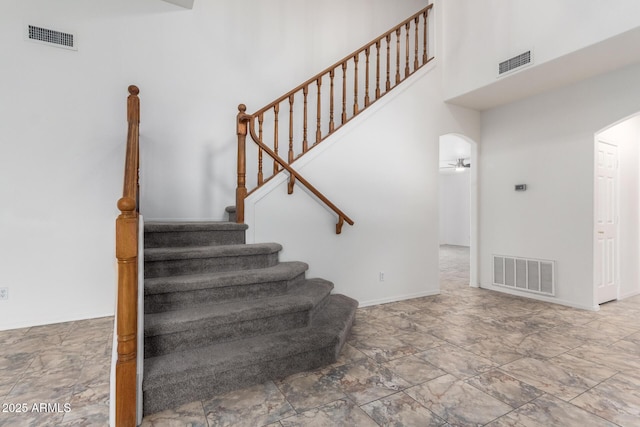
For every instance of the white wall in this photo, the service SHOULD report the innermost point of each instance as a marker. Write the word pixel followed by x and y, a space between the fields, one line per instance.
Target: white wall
pixel 480 34
pixel 382 171
pixel 547 142
pixel 63 130
pixel 454 208
pixel 626 136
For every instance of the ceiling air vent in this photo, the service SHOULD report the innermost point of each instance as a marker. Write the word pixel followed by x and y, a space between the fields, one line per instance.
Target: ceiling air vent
pixel 514 63
pixel 51 37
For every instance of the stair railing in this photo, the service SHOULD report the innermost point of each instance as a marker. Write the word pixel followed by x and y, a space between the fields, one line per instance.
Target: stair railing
pixel 399 52
pixel 127 256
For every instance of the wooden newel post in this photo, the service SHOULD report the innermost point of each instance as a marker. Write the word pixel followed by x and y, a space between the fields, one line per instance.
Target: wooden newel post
pixel 127 256
pixel 241 189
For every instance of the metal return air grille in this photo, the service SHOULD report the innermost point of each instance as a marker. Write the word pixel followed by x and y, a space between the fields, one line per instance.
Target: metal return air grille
pixel 51 37
pixel 515 62
pixel 531 275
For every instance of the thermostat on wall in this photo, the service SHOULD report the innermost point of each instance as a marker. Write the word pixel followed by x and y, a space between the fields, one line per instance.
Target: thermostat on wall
pixel 521 187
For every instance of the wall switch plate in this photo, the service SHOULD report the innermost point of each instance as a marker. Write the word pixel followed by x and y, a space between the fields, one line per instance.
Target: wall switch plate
pixel 381 276
pixel 4 294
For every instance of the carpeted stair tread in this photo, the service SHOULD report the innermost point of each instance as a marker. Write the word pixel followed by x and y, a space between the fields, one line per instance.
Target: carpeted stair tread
pixel 304 298
pixel 175 226
pixel 192 282
pixel 159 234
pixel 221 314
pixel 197 252
pixel 325 328
pixel 185 376
pixel 178 261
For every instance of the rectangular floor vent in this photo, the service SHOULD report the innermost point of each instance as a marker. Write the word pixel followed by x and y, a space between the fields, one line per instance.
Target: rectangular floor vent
pixel 531 275
pixel 51 37
pixel 515 62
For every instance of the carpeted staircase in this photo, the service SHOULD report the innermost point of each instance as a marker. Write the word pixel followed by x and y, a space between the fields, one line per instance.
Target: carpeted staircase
pixel 221 314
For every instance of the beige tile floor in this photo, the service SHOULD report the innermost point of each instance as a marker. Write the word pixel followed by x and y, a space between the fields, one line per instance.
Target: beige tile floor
pixel 466 357
pixel 62 369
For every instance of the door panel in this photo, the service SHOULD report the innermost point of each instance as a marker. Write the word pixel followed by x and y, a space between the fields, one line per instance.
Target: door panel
pixel 606 223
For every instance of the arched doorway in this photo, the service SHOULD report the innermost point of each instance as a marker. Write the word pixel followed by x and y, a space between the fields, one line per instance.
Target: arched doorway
pixel 458 200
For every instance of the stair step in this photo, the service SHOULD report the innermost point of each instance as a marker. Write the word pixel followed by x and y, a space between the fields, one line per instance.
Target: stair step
pixel 159 234
pixel 186 376
pixel 161 262
pixel 176 292
pixel 206 324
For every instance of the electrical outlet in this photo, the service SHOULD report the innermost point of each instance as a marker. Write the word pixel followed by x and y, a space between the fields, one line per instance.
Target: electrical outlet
pixel 4 294
pixel 381 276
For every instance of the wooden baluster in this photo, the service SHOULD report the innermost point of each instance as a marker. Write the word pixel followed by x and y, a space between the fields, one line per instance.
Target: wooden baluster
pixel 355 85
pixel 305 143
pixel 133 118
pixel 292 179
pixel 416 42
pixel 366 84
pixel 260 173
pixel 378 69
pixel 344 92
pixel 241 189
pixel 398 56
pixel 425 58
pixel 133 141
pixel 318 132
pixel 388 85
pixel 290 129
pixel 332 125
pixel 407 30
pixel 276 110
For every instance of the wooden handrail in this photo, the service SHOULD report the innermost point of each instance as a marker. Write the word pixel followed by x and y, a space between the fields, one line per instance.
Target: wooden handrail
pixel 246 119
pixel 127 256
pixel 352 75
pixel 346 59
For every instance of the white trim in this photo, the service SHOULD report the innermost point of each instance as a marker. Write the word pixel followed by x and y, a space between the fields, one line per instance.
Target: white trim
pixel 629 295
pixel 112 373
pixel 140 337
pixel 31 323
pixel 539 297
pixel 397 298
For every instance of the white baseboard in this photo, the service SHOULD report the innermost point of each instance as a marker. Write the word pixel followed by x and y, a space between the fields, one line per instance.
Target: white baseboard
pixel 398 298
pixel 543 298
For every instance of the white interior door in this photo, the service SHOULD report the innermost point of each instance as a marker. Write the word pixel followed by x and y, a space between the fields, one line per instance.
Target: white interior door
pixel 606 222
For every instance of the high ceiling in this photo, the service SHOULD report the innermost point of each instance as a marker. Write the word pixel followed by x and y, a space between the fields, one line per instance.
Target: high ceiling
pixel 608 55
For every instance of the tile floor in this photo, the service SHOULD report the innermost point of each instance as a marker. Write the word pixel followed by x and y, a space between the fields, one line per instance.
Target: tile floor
pixel 467 357
pixel 62 368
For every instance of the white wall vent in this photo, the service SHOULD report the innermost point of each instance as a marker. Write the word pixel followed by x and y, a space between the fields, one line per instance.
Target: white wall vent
pixel 526 274
pixel 514 63
pixel 51 37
